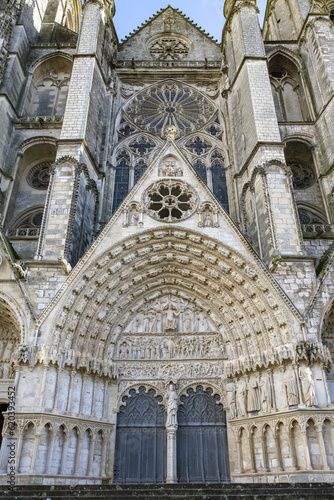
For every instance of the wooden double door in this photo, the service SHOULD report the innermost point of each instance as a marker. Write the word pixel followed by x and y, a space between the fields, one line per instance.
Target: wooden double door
pixel 141 451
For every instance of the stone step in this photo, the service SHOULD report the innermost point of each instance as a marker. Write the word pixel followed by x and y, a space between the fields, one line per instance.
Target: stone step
pixel 201 495
pixel 301 491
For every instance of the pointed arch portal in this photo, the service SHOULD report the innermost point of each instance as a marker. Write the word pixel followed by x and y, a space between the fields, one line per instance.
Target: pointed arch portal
pixel 141 451
pixel 141 439
pixel 202 453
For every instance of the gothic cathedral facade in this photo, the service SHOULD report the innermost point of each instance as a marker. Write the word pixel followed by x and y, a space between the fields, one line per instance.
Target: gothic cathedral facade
pixel 167 245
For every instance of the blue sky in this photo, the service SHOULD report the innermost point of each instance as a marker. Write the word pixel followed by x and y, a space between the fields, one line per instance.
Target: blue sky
pixel 206 13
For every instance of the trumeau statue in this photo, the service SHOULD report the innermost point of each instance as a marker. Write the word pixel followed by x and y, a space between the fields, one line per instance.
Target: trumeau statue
pixel 172 399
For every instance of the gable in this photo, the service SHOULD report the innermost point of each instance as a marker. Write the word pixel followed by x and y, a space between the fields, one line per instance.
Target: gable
pixel 169 37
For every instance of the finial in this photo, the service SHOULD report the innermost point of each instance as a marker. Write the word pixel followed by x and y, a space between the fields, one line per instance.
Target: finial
pixel 170 132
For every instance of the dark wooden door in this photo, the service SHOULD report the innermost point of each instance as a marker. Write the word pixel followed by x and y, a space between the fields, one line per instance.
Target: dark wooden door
pixel 202 454
pixel 140 455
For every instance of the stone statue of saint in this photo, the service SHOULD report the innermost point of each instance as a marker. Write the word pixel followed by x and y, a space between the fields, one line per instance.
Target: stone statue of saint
pixel 171 396
pixel 291 386
pixel 308 388
pixel 241 398
pixel 231 399
pixel 253 400
pixel 207 220
pixel 266 388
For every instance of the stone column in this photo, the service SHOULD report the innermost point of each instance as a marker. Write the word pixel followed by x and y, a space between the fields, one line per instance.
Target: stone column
pixel 92 408
pixel 55 396
pixel 105 401
pixel 322 447
pixel 34 455
pixel 42 388
pixel 82 393
pixel 77 455
pixel 306 449
pixel 91 454
pixel 64 454
pixel 239 459
pixel 171 455
pixel 103 456
pixel 50 453
pixel 171 427
pixel 265 453
pixel 69 395
pixel 19 444
pixel 278 451
pixel 251 449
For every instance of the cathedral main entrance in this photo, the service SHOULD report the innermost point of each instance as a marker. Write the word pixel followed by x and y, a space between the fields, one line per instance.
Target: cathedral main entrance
pixel 141 451
pixel 202 453
pixel 141 439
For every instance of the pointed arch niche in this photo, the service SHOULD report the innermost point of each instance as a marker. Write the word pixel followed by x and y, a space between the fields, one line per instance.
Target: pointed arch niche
pixel 306 187
pixel 48 88
pixel 288 90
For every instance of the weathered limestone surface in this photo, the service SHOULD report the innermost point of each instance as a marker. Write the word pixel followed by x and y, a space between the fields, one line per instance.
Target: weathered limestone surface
pixel 166 246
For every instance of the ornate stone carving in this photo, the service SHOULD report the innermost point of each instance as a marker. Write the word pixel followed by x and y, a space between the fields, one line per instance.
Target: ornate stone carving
pixel 172 404
pixel 171 371
pixel 169 48
pixel 307 385
pixel 291 386
pixel 231 399
pixel 170 103
pixel 169 314
pixel 39 176
pixel 170 200
pixel 170 168
pixel 208 215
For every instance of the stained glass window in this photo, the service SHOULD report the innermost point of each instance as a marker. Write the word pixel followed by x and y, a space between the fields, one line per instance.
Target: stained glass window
pixel 121 183
pixel 200 169
pixel 140 168
pixel 170 103
pixel 219 183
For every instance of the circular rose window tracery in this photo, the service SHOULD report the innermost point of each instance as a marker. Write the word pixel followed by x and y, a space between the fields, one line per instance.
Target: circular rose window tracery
pixel 303 175
pixel 39 176
pixel 170 200
pixel 170 103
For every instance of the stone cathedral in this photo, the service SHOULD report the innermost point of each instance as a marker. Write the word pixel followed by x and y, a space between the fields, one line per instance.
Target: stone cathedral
pixel 167 245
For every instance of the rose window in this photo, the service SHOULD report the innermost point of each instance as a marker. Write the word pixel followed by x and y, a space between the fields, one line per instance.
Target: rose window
pixel 170 201
pixel 39 176
pixel 303 175
pixel 170 103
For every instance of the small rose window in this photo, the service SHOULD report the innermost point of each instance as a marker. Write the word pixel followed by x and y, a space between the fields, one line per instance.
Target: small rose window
pixel 170 201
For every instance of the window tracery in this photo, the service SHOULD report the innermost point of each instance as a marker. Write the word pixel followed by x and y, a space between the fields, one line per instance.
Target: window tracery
pixel 122 176
pixel 39 176
pixel 170 103
pixel 142 145
pixel 287 90
pixel 198 146
pixel 169 48
pixel 200 169
pixel 303 175
pixel 28 223
pixel 170 200
pixel 140 168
